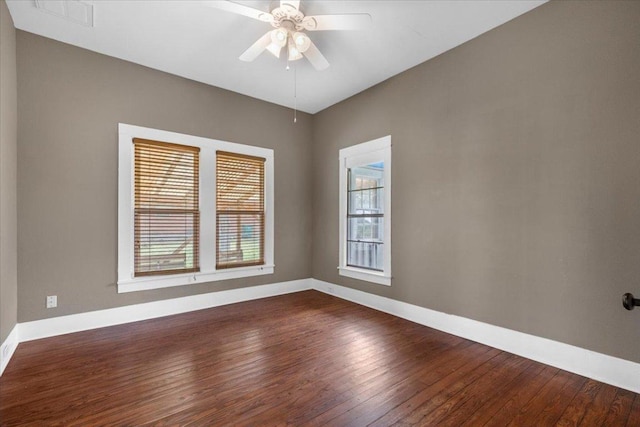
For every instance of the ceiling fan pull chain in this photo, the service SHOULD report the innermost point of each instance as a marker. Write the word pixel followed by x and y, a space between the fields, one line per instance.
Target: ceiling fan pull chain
pixel 295 93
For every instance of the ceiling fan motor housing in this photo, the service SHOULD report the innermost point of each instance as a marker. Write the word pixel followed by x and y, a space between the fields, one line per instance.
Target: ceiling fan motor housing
pixel 286 16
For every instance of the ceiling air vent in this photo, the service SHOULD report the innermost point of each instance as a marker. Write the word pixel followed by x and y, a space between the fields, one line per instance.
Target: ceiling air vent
pixel 71 10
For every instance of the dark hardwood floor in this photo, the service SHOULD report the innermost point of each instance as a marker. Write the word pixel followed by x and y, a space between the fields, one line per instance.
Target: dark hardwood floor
pixel 298 359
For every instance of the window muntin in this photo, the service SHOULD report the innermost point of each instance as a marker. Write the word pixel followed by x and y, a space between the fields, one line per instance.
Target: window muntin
pixel 166 215
pixel 240 210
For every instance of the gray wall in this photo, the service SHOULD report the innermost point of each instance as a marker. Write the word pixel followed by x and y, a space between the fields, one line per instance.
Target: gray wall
pixel 8 141
pixel 70 103
pixel 516 177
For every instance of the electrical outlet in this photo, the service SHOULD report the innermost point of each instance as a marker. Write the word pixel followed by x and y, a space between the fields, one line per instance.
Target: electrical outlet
pixel 52 301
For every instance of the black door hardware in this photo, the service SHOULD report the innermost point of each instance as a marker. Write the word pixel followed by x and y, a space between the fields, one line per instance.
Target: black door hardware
pixel 628 301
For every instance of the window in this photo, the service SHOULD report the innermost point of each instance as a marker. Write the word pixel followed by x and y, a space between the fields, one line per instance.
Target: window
pixel 365 216
pixel 365 211
pixel 166 215
pixel 191 209
pixel 240 210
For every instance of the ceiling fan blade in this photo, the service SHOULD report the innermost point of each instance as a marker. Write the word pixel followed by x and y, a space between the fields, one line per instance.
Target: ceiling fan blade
pixel 314 56
pixel 355 21
pixel 293 3
pixel 240 9
pixel 257 48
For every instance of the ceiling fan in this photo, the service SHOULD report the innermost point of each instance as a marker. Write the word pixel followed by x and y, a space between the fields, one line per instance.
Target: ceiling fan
pixel 289 25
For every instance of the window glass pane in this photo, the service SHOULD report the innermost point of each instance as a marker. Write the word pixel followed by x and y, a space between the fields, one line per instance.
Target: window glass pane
pixel 365 255
pixel 368 176
pixel 366 201
pixel 240 239
pixel 165 241
pixel 365 228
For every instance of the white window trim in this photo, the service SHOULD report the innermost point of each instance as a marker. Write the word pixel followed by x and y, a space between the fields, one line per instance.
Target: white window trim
pixel 208 273
pixel 357 155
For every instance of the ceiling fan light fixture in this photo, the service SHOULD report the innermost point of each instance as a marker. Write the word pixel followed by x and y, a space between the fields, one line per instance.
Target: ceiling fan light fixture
pixel 279 36
pixel 302 42
pixel 274 49
pixel 294 53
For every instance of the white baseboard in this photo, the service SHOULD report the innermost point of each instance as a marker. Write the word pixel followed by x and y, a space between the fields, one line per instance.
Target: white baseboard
pixel 8 347
pixel 601 367
pixel 132 313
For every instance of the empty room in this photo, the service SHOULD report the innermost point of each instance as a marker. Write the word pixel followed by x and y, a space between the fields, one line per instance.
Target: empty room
pixel 315 212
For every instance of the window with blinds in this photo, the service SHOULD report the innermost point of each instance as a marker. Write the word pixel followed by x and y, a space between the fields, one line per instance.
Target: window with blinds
pixel 239 210
pixel 166 208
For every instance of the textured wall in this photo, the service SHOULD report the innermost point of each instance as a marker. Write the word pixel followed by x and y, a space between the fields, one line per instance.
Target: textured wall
pixel 8 156
pixel 516 196
pixel 70 103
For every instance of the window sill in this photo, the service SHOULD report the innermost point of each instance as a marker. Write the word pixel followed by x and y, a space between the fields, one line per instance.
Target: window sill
pixel 366 275
pixel 157 282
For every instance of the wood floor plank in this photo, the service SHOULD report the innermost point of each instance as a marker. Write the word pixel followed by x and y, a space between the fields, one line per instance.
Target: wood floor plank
pixel 434 380
pixel 578 406
pixel 497 373
pixel 366 386
pixel 369 403
pixel 472 404
pixel 559 402
pixel 620 409
pixel 526 384
pixel 437 394
pixel 301 359
pixel 552 400
pixel 634 413
pixel 597 411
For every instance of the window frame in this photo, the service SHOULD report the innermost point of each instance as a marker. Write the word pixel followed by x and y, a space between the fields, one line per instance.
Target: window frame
pixel 359 155
pixel 127 282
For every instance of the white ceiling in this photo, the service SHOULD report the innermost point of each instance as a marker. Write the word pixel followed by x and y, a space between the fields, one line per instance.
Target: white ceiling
pixel 189 39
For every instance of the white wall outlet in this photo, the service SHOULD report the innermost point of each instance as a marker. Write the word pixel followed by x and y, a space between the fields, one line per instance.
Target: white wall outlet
pixel 52 301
